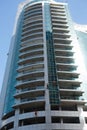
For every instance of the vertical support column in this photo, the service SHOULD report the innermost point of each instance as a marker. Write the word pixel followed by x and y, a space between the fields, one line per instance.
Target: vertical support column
pixel 81 115
pixel 16 120
pixel 48 111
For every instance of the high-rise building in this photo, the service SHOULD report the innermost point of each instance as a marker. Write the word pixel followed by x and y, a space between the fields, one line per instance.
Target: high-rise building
pixel 42 88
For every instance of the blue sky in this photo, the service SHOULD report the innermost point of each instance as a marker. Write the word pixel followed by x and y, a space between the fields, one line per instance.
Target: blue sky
pixel 8 9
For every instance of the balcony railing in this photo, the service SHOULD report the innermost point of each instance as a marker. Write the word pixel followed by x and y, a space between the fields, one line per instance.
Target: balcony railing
pixel 32 88
pixel 71 98
pixel 31 99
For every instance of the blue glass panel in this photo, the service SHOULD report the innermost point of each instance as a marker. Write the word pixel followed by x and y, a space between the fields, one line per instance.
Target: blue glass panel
pixel 9 100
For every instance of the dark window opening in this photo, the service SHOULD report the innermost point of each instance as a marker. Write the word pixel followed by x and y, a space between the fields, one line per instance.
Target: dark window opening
pixel 54 107
pixel 26 110
pixel 86 120
pixel 8 126
pixel 8 115
pixel 69 108
pixel 56 120
pixel 36 120
pixel 71 120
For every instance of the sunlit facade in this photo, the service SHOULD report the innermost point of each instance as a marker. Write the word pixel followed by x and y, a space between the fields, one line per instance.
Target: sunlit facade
pixel 81 32
pixel 42 87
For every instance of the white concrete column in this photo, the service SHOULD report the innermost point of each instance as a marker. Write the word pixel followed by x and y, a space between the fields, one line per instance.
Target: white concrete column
pixel 16 120
pixel 81 115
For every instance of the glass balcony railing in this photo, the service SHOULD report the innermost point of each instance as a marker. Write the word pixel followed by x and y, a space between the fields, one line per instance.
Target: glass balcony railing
pixel 31 57
pixel 71 98
pixel 32 51
pixel 31 43
pixel 30 71
pixel 39 12
pixel 29 80
pixel 30 64
pixel 32 88
pixel 31 99
pixel 32 40
pixel 71 88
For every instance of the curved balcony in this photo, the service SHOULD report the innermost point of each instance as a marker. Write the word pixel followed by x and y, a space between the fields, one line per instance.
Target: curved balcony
pixel 31 114
pixel 62 40
pixel 66 100
pixel 35 45
pixel 35 81
pixel 23 116
pixel 67 68
pixel 58 17
pixel 31 88
pixel 30 23
pixel 58 13
pixel 69 82
pixel 30 103
pixel 63 46
pixel 58 10
pixel 65 60
pixel 60 20
pixel 32 10
pixel 68 74
pixel 30 74
pixel 35 35
pixel 26 66
pixel 60 52
pixel 31 7
pixel 70 66
pixel 33 15
pixel 31 93
pixel 36 51
pixel 61 35
pixel 61 30
pixel 33 40
pixel 71 92
pixel 34 122
pixel 57 6
pixel 29 47
pixel 40 29
pixel 32 67
pixel 61 77
pixel 32 26
pixel 70 86
pixel 32 19
pixel 55 25
pixel 8 124
pixel 31 35
pixel 31 59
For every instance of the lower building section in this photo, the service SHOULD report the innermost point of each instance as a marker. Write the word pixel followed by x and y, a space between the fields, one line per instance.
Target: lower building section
pixel 63 117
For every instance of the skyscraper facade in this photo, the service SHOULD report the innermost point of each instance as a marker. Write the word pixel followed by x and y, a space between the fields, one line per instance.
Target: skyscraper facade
pixel 42 86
